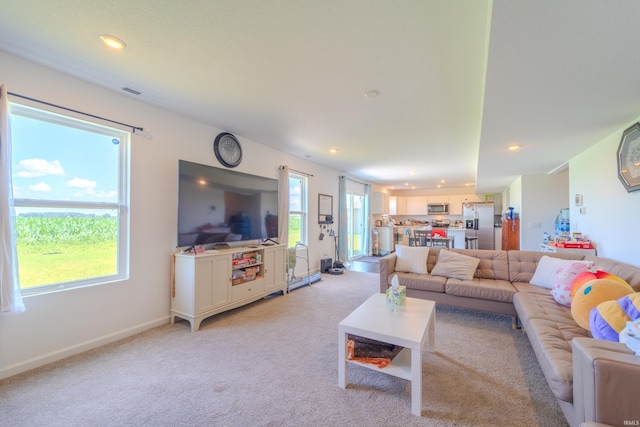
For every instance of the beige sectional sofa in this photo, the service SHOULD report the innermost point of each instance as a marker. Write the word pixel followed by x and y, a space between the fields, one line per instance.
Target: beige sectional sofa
pixel 593 380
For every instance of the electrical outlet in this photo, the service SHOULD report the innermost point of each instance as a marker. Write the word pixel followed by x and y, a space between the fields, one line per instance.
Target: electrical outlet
pixel 583 210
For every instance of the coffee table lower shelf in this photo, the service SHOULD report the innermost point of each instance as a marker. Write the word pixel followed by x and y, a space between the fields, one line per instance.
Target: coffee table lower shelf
pixel 411 327
pixel 399 367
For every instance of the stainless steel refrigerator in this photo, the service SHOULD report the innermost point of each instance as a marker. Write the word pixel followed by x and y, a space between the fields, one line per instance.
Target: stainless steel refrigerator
pixel 479 221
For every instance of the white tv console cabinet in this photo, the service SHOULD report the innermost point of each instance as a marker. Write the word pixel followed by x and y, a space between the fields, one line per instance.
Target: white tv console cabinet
pixel 218 280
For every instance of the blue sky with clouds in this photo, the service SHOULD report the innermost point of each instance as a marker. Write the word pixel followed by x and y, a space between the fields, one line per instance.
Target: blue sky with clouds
pixel 60 163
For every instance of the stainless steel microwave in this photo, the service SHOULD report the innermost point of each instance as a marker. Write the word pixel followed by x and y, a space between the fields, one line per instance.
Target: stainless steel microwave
pixel 438 208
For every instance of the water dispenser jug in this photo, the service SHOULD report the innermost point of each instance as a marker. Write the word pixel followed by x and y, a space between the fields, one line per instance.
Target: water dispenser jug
pixel 562 223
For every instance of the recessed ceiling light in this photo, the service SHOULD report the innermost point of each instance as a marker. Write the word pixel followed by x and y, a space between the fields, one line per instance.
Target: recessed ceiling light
pixel 514 147
pixel 413 172
pixel 372 94
pixel 442 181
pixel 113 41
pixel 333 151
pixel 406 184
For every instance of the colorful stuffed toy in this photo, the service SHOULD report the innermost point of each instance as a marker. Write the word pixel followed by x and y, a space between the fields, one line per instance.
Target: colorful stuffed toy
pixel 609 318
pixel 592 273
pixel 593 293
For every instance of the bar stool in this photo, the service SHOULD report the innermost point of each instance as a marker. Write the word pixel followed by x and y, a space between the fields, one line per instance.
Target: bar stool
pixel 471 242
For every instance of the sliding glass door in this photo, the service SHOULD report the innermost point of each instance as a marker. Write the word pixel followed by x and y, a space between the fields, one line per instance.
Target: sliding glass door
pixel 356 226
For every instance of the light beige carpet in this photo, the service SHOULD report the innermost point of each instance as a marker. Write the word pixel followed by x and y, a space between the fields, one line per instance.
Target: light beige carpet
pixel 274 363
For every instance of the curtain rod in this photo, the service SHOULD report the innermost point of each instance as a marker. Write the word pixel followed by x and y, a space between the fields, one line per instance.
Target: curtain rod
pixel 353 180
pixel 133 128
pixel 301 173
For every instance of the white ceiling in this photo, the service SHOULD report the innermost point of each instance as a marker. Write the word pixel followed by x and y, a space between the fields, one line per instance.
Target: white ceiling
pixel 459 81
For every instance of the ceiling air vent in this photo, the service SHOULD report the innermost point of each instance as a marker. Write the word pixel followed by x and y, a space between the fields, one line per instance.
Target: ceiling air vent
pixel 132 91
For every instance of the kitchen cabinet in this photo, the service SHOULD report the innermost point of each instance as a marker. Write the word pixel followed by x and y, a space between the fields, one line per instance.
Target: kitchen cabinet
pixel 510 234
pixel 472 198
pixel 455 204
pixel 438 199
pixel 416 205
pixel 397 205
pixel 379 203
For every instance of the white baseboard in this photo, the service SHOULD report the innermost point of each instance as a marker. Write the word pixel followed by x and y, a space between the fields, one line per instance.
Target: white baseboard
pixel 37 362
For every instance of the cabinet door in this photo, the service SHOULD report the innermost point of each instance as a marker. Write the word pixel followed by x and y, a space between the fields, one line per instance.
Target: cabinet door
pixel 212 283
pixel 417 205
pixel 275 271
pixel 472 198
pixel 455 205
pixel 511 234
pixel 438 199
pixel 401 205
pixel 379 203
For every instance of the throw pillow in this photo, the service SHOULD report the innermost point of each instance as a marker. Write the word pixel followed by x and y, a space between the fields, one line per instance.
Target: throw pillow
pixel 562 284
pixel 412 259
pixel 547 268
pixel 455 266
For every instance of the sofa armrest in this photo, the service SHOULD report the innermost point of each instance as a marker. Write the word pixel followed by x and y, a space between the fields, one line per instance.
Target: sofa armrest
pixel 387 267
pixel 605 382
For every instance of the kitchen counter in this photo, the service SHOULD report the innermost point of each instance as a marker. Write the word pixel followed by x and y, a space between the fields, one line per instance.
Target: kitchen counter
pixel 458 234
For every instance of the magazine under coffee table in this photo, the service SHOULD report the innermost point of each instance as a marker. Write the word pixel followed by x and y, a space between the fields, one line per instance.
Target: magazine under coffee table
pixel 409 327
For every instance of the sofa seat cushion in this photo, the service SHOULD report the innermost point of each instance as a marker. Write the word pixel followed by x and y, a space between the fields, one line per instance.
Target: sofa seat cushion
pixel 489 289
pixel 550 329
pixel 425 282
pixel 527 287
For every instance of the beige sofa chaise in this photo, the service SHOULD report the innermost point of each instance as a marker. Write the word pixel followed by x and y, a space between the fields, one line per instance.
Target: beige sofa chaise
pixel 593 380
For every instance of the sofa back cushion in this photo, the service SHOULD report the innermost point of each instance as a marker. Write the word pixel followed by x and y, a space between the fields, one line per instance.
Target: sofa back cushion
pixel 434 251
pixel 522 264
pixel 492 265
pixel 626 272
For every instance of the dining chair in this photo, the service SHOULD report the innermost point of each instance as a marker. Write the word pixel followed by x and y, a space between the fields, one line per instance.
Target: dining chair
pixel 421 238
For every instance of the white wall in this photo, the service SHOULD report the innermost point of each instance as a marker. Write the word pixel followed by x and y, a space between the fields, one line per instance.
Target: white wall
pixel 63 323
pixel 542 198
pixel 610 217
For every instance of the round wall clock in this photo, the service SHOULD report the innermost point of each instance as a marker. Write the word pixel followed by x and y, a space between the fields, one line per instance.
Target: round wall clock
pixel 227 150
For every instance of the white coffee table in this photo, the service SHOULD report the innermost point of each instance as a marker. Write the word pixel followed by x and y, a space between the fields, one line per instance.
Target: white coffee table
pixel 409 327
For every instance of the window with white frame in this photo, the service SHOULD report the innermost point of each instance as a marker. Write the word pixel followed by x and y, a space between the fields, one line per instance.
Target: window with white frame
pixel 70 193
pixel 298 218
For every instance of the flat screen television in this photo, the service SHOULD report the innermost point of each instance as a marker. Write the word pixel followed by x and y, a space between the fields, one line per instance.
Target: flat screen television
pixel 224 206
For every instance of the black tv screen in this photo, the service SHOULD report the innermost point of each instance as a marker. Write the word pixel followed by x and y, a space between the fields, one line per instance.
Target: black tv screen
pixel 219 205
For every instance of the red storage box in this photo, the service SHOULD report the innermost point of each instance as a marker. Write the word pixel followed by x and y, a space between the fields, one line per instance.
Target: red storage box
pixel 574 245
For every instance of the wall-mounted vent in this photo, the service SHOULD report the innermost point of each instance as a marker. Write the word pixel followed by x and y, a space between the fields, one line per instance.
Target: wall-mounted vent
pixel 132 91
